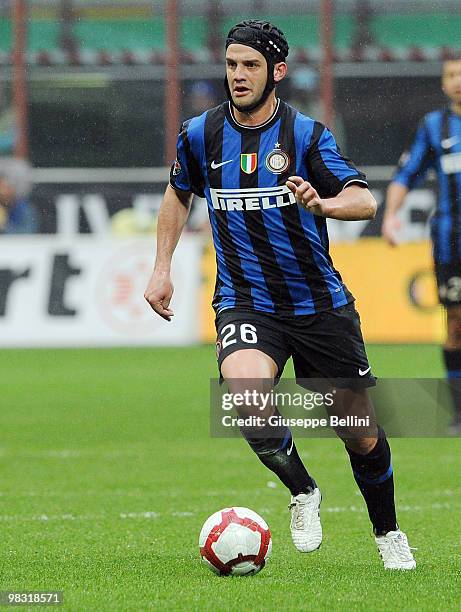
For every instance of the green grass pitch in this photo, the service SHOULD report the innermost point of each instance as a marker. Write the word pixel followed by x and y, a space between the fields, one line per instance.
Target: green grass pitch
pixel 108 473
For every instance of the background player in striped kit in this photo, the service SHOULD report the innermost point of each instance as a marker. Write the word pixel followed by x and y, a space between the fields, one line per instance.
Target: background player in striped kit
pixel 271 176
pixel 437 145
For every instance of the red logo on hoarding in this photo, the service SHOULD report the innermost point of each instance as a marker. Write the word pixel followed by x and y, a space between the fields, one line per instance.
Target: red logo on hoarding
pixel 121 291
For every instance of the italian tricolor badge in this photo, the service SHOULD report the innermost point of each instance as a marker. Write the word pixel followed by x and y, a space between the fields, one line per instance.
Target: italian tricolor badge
pixel 248 162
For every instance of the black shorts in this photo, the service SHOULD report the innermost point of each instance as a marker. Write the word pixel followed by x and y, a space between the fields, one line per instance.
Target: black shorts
pixel 449 283
pixel 327 344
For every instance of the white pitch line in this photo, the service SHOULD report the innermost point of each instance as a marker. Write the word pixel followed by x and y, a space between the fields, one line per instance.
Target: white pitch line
pixel 65 453
pixel 52 517
pixel 135 515
pixel 150 514
pixel 83 492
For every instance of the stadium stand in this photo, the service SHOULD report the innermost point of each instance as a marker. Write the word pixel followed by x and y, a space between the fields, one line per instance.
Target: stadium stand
pixel 134 32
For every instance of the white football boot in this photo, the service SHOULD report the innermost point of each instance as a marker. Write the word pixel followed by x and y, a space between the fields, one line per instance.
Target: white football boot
pixel 395 551
pixel 305 526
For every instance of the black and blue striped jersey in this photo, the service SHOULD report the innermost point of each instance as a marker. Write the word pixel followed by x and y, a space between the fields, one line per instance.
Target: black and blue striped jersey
pixel 437 145
pixel 272 255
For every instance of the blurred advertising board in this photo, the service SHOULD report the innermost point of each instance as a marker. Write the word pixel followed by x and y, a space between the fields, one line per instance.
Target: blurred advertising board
pixel 394 289
pixel 85 201
pixel 98 201
pixel 58 292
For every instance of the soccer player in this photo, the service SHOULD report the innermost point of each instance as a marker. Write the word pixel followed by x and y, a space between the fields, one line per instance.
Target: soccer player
pixel 437 145
pixel 271 176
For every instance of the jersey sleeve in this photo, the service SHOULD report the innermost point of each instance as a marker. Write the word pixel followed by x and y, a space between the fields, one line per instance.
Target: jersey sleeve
pixel 414 163
pixel 329 171
pixel 185 172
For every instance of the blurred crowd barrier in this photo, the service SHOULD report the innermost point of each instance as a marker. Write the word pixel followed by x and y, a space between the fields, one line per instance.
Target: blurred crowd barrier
pixel 114 118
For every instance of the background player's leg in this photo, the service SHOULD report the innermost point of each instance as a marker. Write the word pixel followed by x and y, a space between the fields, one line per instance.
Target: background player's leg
pixel 251 369
pixel 452 358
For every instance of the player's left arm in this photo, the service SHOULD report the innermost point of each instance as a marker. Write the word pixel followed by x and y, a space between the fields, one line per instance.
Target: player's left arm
pixel 336 189
pixel 353 203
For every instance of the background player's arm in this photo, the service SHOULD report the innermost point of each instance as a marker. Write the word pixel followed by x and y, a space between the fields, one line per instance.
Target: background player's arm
pixel 411 172
pixel 395 197
pixel 171 221
pixel 354 203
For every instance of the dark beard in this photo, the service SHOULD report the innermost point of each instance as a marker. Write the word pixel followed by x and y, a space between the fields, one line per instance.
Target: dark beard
pixel 250 107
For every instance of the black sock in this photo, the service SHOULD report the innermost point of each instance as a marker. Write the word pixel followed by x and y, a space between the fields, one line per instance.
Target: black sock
pixel 279 454
pixel 373 474
pixel 453 366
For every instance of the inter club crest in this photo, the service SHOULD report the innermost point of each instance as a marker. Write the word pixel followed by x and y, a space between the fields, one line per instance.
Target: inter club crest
pixel 277 160
pixel 248 162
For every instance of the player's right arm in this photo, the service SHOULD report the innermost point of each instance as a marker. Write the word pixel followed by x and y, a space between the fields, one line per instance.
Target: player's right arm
pixel 171 221
pixel 411 171
pixel 185 180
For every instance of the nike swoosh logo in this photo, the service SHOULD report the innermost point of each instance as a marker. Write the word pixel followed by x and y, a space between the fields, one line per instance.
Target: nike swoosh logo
pixel 289 450
pixel 363 372
pixel 215 166
pixel 449 142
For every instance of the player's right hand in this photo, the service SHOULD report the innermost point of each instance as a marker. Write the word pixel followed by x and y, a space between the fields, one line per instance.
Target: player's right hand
pixel 158 294
pixel 305 195
pixel 390 229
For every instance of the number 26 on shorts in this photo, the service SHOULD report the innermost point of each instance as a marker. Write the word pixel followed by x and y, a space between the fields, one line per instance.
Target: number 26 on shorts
pixel 246 330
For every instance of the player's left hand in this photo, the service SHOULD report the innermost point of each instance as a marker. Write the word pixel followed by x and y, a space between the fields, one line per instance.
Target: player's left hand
pixel 305 195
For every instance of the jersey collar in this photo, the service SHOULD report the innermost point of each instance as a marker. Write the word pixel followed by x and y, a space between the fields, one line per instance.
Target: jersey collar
pixel 242 128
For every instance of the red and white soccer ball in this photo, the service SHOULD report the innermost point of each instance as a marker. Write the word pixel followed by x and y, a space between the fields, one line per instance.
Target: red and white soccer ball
pixel 235 541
